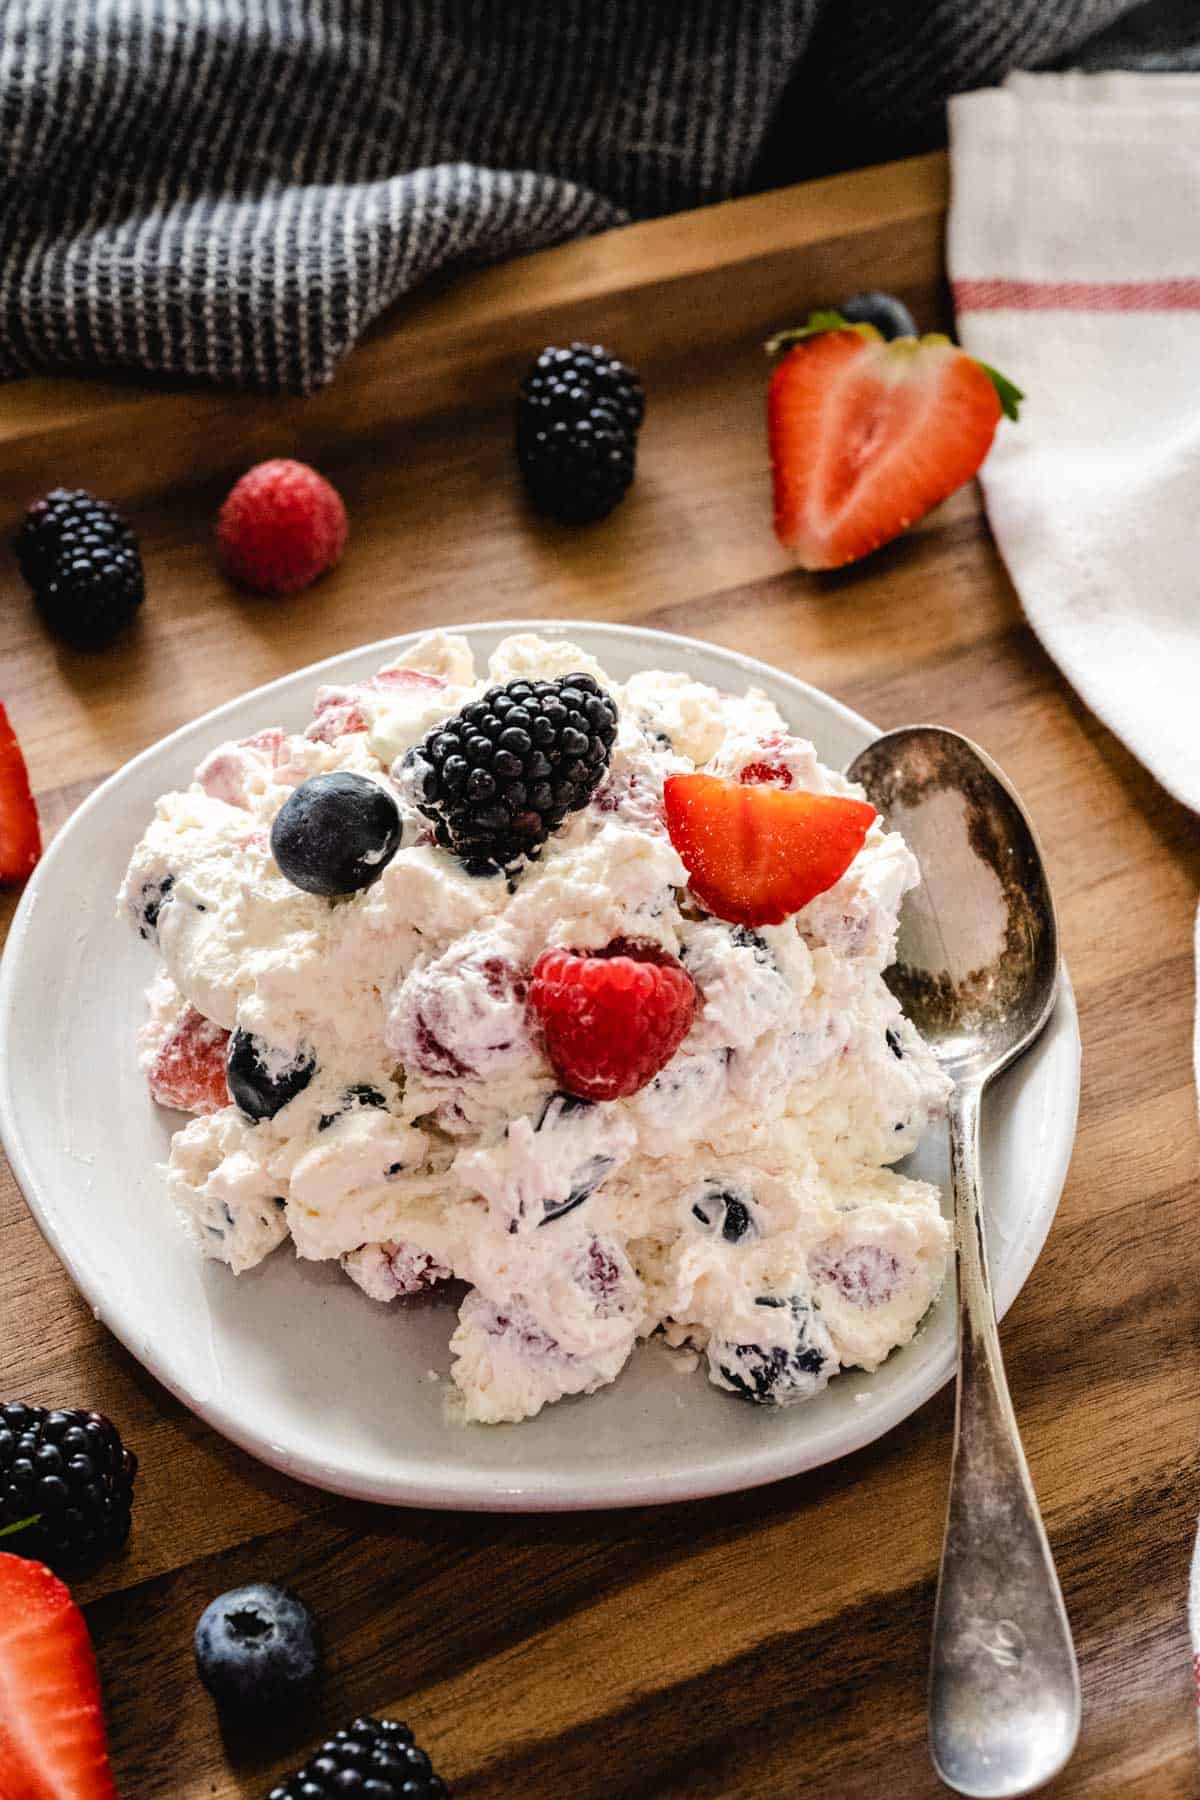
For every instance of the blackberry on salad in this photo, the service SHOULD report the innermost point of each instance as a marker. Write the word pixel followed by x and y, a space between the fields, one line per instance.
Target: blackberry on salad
pixel 505 772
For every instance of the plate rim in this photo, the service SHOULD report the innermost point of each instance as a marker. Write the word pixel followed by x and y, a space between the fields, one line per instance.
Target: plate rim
pixel 466 1489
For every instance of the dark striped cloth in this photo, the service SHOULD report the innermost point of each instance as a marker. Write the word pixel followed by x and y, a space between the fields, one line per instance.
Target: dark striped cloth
pixel 232 189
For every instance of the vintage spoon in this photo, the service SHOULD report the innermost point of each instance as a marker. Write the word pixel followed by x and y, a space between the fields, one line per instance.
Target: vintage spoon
pixel 977 973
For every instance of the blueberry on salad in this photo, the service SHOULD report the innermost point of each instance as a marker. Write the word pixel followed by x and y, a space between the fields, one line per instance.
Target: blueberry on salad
pixel 777 1374
pixel 262 1079
pixel 336 834
pixel 256 1649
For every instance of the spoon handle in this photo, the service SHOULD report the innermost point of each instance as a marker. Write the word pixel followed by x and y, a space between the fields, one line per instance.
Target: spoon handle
pixel 1004 1684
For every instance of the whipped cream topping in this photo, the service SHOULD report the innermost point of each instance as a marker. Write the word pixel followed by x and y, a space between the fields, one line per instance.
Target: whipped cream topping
pixel 743 1203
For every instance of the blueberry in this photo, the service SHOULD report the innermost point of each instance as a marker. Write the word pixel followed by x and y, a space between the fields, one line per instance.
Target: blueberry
pixel 890 317
pixel 777 1374
pixel 738 1221
pixel 731 1211
pixel 746 939
pixel 561 1106
pixel 152 897
pixel 584 1182
pixel 360 1093
pixel 256 1648
pixel 591 1171
pixel 336 834
pixel 255 1085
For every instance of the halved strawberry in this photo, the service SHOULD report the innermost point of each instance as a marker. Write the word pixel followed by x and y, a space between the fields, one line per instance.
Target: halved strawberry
pixel 189 1070
pixel 20 834
pixel 866 436
pixel 52 1744
pixel 755 855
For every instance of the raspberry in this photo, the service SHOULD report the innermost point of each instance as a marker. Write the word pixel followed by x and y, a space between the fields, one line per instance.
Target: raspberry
pixel 765 774
pixel 281 526
pixel 611 1018
pixel 189 1070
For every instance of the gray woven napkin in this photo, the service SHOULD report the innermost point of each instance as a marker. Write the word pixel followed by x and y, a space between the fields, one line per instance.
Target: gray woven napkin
pixel 233 189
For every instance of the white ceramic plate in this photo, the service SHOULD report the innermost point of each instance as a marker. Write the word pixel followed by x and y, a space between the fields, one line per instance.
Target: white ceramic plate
pixel 290 1360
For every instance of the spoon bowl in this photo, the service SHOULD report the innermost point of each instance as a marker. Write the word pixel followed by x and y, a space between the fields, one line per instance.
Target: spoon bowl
pixel 977 972
pixel 977 956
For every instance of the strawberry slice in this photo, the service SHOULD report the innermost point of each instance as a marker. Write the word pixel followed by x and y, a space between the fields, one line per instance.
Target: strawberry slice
pixel 755 855
pixel 20 834
pixel 189 1070
pixel 52 1744
pixel 867 436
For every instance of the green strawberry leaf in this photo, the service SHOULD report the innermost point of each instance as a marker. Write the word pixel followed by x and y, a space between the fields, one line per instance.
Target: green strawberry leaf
pixel 1008 391
pixel 19 1525
pixel 818 322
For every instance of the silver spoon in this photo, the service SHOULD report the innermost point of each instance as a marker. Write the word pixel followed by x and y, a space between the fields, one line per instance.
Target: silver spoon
pixel 977 973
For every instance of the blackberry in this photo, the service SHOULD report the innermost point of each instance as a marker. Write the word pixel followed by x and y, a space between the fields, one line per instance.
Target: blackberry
pixel 502 774
pixel 373 1758
pixel 70 1475
pixel 82 562
pixel 577 425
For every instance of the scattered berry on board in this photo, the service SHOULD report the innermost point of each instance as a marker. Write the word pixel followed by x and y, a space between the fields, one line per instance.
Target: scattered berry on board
pixel 611 1018
pixel 256 1649
pixel 755 855
pixel 282 526
pixel 52 1741
pixel 577 428
pixel 890 317
pixel 83 565
pixel 381 1752
pixel 336 833
pixel 66 1484
pixel 502 774
pixel 867 436
pixel 20 833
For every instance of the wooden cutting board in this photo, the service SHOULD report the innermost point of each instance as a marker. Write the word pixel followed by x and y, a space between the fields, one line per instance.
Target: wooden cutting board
pixel 769 1644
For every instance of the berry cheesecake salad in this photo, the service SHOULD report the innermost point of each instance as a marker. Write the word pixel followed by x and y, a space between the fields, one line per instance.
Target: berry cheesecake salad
pixel 567 989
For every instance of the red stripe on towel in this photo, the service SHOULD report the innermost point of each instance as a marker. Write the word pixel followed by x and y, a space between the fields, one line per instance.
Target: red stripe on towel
pixel 1177 294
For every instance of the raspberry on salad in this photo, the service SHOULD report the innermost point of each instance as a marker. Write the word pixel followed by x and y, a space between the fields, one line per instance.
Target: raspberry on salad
pixel 282 525
pixel 611 1018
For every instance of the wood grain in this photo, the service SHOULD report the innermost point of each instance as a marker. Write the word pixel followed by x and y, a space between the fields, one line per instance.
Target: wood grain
pixel 765 1644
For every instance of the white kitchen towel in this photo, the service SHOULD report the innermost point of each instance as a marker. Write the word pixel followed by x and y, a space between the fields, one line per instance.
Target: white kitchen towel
pixel 1074 256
